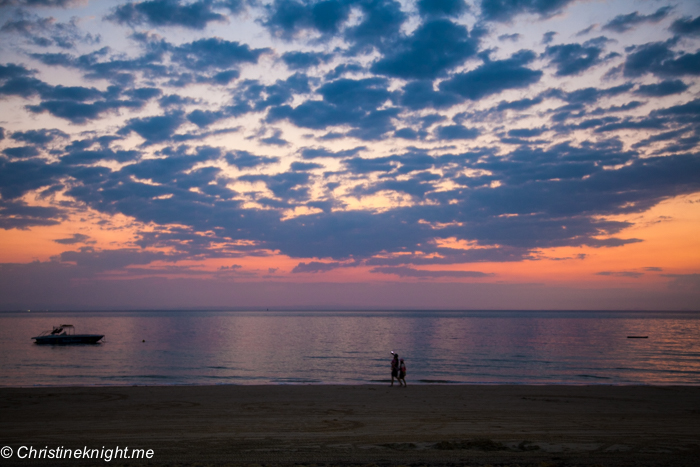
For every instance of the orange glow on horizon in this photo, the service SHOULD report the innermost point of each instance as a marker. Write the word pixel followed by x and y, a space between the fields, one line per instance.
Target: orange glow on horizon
pixel 669 232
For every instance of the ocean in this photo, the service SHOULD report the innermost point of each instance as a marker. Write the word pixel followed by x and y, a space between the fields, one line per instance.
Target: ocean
pixel 346 347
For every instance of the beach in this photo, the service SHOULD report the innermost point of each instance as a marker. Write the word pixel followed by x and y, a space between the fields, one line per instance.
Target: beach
pixel 426 424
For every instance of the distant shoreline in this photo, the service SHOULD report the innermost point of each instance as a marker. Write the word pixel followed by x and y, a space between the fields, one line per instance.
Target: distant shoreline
pixel 351 384
pixel 332 310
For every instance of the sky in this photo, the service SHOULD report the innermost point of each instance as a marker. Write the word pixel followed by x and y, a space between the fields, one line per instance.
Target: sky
pixel 434 154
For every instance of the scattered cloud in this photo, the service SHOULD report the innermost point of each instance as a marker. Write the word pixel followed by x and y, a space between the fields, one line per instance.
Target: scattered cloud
pixel 686 26
pixel 163 13
pixel 494 77
pixel 73 239
pixel 623 23
pixel 631 274
pixel 506 10
pixel 403 271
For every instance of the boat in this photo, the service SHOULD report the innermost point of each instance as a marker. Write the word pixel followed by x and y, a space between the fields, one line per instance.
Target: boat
pixel 65 334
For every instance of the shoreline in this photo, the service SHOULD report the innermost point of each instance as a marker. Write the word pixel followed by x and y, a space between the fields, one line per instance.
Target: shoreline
pixel 417 383
pixel 430 424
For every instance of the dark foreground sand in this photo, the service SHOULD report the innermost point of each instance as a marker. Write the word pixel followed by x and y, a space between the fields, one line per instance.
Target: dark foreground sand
pixel 359 425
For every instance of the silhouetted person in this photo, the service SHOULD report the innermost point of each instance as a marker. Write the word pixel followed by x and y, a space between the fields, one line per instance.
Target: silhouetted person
pixel 395 368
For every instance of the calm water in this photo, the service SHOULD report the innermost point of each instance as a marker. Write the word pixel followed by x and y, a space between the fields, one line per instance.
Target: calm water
pixel 196 347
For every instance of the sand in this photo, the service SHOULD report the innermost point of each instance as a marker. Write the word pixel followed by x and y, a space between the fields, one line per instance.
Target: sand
pixel 359 425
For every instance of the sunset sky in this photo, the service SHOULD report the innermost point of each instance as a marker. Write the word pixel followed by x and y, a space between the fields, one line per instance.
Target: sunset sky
pixel 448 154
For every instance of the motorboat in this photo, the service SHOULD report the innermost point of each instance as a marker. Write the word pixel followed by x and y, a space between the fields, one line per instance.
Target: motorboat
pixel 65 334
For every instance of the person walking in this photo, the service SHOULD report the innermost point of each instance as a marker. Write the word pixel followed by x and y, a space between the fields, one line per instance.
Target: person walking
pixel 402 373
pixel 395 368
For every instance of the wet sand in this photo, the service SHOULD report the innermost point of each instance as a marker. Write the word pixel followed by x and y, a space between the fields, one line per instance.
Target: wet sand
pixel 360 425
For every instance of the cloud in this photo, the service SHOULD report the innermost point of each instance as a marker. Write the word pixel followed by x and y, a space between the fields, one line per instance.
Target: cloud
pixel 172 100
pixel 77 104
pixel 252 96
pixel 12 70
pixel 686 26
pixel 46 32
pixel 275 139
pixel 441 256
pixel 434 48
pixel 16 81
pixel 316 267
pixel 593 95
pixel 410 133
pixel 195 15
pixel 680 112
pixel 106 260
pixel 515 37
pixel 664 88
pixel 419 95
pixel 364 94
pixel 213 52
pixel 629 123
pixel 21 152
pixel 344 69
pixel 526 132
pixel 287 18
pixel 303 166
pixel 94 66
pixel 403 271
pixel 494 77
pixel 20 177
pixel 174 169
pixel 451 8
pixel 521 104
pixel 455 132
pixel 20 215
pixel 505 10
pixel 288 185
pixel 379 25
pixel 80 156
pixel 315 153
pixel 548 37
pixel 623 23
pixel 665 136
pixel 413 187
pixel 345 102
pixel 304 60
pixel 632 274
pixel 587 30
pixel 80 112
pixel 683 281
pixel 245 160
pixel 204 118
pixel 659 59
pixel 155 129
pixel 359 165
pixel 73 239
pixel 574 59
pixel 39 137
pixel 379 28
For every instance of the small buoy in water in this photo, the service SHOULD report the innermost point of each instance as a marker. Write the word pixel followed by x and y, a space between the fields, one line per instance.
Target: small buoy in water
pixel 143 340
pixel 637 337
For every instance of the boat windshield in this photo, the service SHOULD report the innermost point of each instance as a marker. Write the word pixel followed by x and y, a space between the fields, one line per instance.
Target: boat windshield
pixel 63 329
